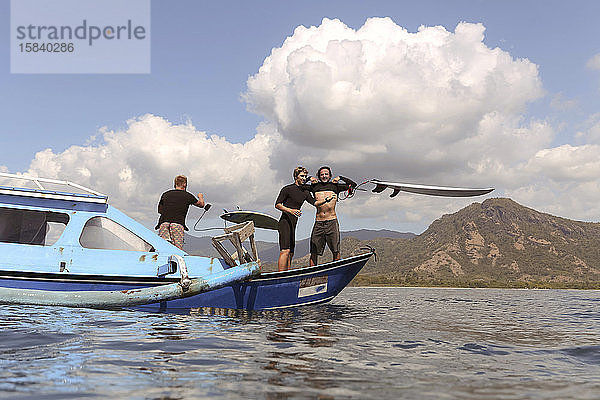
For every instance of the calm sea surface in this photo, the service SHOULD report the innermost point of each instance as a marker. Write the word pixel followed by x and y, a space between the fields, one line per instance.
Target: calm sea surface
pixel 369 343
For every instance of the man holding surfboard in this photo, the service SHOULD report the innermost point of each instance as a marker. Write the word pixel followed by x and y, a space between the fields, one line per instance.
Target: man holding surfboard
pixel 290 200
pixel 326 229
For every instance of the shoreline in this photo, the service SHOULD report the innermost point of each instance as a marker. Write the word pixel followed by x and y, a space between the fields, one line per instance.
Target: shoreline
pixel 458 287
pixel 595 286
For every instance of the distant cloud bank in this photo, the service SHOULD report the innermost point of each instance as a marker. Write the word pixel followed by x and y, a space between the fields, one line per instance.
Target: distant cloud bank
pixel 135 165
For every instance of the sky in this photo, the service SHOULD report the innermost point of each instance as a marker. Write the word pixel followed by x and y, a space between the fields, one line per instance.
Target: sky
pixel 462 93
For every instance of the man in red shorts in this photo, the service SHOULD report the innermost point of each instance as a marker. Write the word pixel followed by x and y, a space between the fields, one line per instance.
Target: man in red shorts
pixel 173 207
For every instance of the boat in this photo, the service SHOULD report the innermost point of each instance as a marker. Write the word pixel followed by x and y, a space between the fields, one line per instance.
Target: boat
pixel 64 244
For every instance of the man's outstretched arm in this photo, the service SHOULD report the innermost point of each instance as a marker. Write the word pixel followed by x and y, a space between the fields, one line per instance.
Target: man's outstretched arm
pixel 200 203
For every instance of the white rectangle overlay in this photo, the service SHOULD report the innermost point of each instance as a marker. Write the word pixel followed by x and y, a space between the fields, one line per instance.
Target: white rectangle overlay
pixel 312 290
pixel 80 37
pixel 312 286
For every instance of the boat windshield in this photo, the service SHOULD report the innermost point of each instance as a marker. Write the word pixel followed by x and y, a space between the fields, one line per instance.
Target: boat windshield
pixel 104 233
pixel 41 228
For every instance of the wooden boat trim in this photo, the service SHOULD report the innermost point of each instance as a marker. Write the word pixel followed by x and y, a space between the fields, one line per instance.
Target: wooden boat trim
pixel 309 270
pixel 153 280
pixel 85 278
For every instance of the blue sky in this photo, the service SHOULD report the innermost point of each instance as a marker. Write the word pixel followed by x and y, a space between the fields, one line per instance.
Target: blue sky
pixel 204 52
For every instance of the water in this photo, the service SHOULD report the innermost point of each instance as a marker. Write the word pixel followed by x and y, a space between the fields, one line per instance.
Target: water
pixel 369 343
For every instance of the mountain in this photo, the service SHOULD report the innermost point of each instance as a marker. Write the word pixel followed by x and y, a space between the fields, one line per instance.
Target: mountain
pixel 495 243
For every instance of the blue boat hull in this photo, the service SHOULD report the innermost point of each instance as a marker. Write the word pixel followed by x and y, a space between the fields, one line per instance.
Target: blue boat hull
pixel 274 290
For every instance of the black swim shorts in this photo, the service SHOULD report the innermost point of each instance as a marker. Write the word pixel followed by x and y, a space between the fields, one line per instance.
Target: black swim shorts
pixel 287 234
pixel 325 232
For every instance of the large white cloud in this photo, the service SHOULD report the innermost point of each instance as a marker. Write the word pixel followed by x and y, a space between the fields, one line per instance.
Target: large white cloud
pixel 430 104
pixel 433 106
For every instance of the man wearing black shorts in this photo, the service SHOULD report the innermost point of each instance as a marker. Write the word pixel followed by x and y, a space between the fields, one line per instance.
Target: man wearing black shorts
pixel 289 202
pixel 326 229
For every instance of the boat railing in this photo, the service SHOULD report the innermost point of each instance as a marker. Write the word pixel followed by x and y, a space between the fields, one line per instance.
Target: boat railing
pixel 237 234
pixel 42 190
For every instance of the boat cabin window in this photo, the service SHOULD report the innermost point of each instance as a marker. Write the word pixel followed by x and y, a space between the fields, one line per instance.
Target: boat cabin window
pixel 41 228
pixel 103 233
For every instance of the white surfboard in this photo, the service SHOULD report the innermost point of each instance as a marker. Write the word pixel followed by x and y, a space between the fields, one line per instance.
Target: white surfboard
pixel 260 220
pixel 444 191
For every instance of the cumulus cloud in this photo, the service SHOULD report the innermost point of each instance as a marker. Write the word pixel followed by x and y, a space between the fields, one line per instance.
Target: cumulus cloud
pixel 434 106
pixel 136 164
pixel 408 105
pixel 568 163
pixel 562 180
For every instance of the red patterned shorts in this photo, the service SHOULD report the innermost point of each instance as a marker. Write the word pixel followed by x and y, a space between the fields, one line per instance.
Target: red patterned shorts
pixel 172 232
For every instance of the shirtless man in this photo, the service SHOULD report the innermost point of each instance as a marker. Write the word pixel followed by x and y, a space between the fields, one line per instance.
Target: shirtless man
pixel 289 202
pixel 326 228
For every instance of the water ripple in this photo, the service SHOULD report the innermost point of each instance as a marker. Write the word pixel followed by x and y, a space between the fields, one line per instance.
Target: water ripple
pixel 368 343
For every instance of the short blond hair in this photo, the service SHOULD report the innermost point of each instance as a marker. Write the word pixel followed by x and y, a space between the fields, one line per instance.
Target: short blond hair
pixel 299 170
pixel 180 181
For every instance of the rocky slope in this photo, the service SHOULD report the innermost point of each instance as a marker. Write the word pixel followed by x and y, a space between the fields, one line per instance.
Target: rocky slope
pixel 494 243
